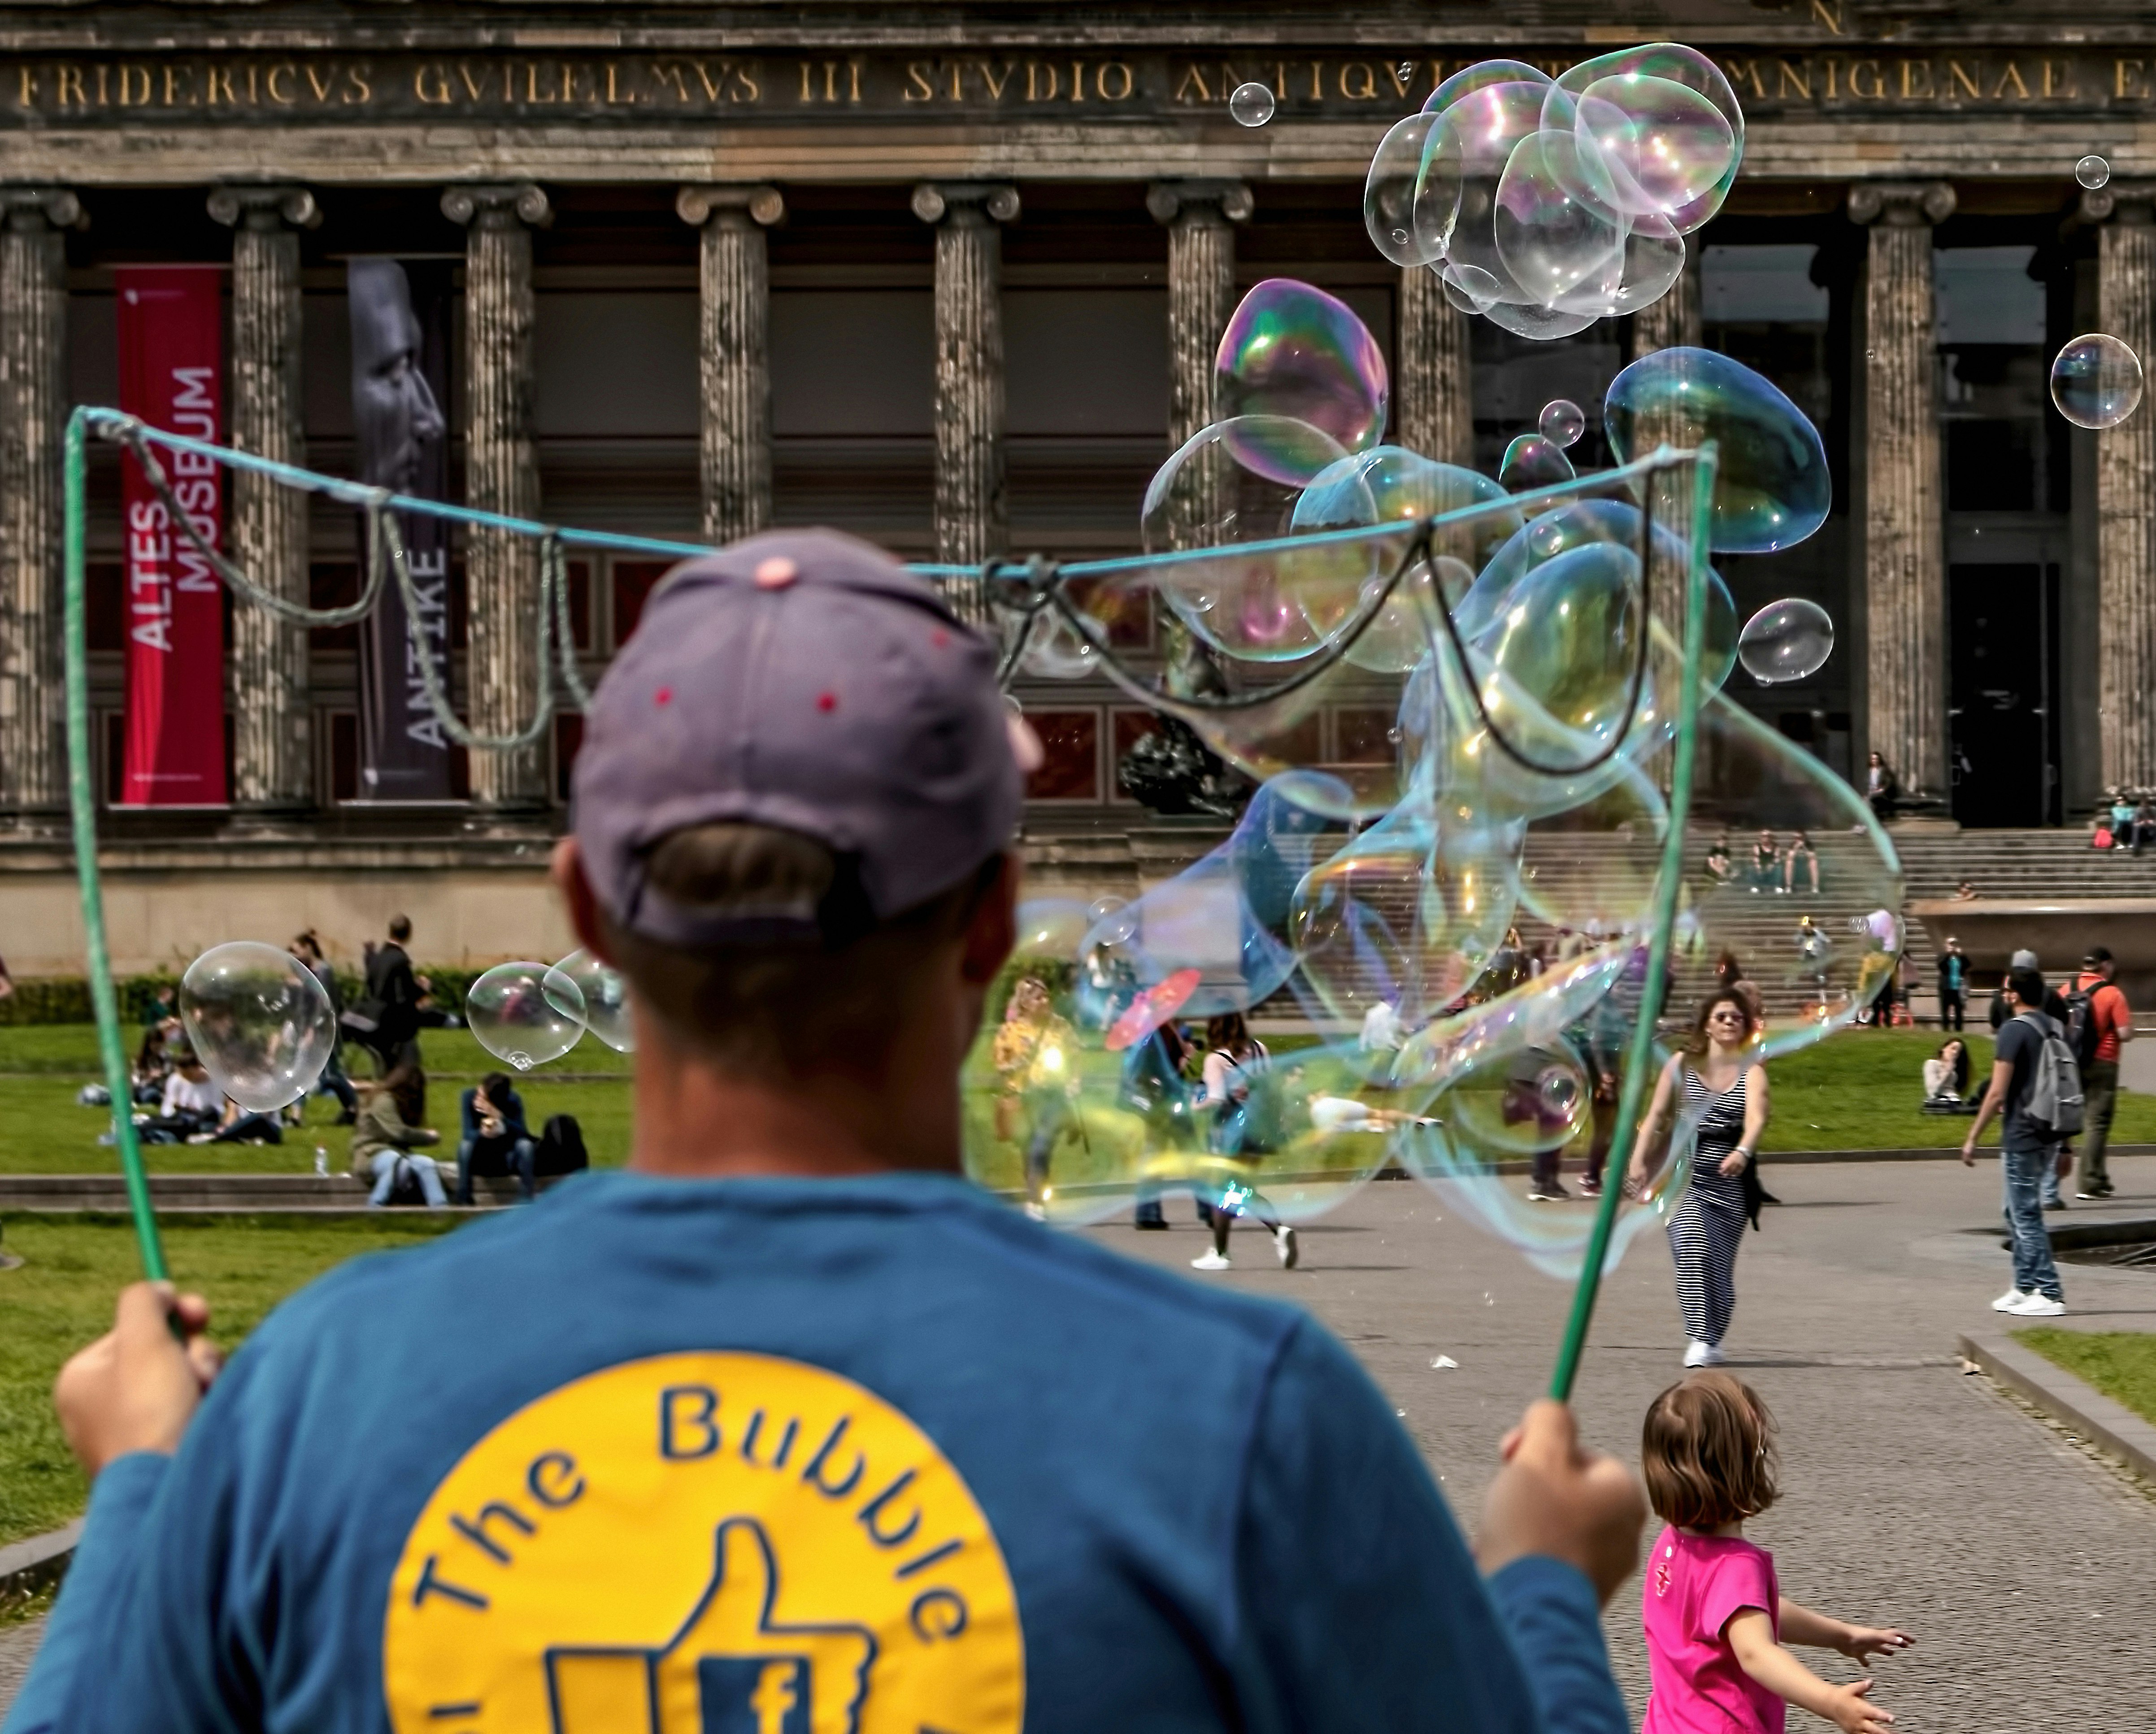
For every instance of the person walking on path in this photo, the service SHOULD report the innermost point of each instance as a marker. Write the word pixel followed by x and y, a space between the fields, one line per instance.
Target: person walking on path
pixel 1238 1093
pixel 1717 1079
pixel 1954 984
pixel 2100 1022
pixel 2025 1148
pixel 1715 1617
pixel 785 1440
pixel 2059 1158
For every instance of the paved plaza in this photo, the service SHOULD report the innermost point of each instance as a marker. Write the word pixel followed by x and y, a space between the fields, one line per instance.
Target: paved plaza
pixel 1913 1495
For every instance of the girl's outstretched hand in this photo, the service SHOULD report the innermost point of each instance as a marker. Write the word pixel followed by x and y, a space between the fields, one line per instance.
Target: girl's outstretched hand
pixel 1851 1711
pixel 1863 1641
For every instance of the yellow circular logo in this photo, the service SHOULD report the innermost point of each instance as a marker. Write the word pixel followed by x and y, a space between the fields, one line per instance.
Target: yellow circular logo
pixel 704 1544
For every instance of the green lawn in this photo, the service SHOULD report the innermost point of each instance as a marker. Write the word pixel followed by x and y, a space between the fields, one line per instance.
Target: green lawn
pixel 42 1130
pixel 61 1297
pixel 2121 1364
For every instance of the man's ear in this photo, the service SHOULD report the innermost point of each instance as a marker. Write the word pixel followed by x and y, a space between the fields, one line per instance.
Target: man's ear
pixel 567 870
pixel 993 932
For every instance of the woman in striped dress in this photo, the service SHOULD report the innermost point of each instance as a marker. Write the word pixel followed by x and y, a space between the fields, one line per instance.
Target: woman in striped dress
pixel 1719 1079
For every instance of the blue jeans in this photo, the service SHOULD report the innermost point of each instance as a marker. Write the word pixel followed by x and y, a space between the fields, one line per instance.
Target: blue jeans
pixel 495 1156
pixel 2024 1171
pixel 422 1167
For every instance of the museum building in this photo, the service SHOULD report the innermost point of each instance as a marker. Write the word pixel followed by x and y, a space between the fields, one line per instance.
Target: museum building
pixel 952 277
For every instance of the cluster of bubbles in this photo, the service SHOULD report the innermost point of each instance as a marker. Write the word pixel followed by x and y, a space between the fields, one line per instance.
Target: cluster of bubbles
pixel 2096 381
pixel 1544 204
pixel 1460 920
pixel 529 1013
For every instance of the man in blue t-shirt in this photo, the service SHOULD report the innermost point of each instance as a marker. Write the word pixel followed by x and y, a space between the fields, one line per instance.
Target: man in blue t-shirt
pixel 2025 1149
pixel 788 1428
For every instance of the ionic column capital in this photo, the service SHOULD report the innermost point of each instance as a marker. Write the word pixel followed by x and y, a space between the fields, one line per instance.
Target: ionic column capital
pixel 965 202
pixel 264 210
pixel 1901 204
pixel 1199 201
pixel 2129 202
pixel 512 205
pixel 697 205
pixel 38 208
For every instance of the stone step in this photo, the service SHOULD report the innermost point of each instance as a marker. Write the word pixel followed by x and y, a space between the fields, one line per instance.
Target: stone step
pixel 196 1193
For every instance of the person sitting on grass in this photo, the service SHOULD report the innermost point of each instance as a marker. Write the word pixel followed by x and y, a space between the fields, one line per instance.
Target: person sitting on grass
pixel 495 1139
pixel 242 1126
pixel 189 1107
pixel 383 1141
pixel 1946 1074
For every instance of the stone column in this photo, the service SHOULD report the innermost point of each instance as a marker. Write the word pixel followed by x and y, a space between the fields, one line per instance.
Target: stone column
pixel 1673 322
pixel 972 513
pixel 33 410
pixel 2126 491
pixel 273 722
pixel 501 474
pixel 1435 394
pixel 734 353
pixel 1904 530
pixel 1199 216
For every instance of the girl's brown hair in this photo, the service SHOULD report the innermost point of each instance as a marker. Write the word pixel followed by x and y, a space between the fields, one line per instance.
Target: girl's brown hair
pixel 1697 1043
pixel 1707 1452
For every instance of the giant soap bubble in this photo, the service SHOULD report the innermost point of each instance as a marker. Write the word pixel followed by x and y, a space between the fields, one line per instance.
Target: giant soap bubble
pixel 1786 640
pixel 258 1021
pixel 518 1015
pixel 2096 381
pixel 1771 489
pixel 1291 350
pixel 583 988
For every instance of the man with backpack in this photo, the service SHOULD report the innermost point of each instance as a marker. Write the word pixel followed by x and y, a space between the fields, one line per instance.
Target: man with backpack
pixel 2037 1087
pixel 2098 1020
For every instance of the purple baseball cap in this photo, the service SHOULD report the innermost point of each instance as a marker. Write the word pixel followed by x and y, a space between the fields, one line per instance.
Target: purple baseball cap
pixel 806 680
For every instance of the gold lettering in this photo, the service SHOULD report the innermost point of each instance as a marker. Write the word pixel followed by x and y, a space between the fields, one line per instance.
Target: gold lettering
pixel 1857 69
pixel 1957 74
pixel 1124 81
pixel 1077 80
pixel 1910 69
pixel 746 88
pixel 711 85
pixel 996 85
pixel 1358 81
pixel 613 95
pixel 830 81
pixel 917 87
pixel 356 88
pixel 283 98
pixel 2012 76
pixel 1317 82
pixel 475 88
pixel 431 83
pixel 670 73
pixel 807 93
pixel 101 84
pixel 531 85
pixel 1828 13
pixel 569 81
pixel 250 83
pixel 216 79
pixel 29 75
pixel 1787 77
pixel 958 90
pixel 70 83
pixel 853 81
pixel 1740 71
pixel 2126 79
pixel 1401 83
pixel 321 86
pixel 1032 94
pixel 173 74
pixel 1833 72
pixel 1194 79
pixel 2052 87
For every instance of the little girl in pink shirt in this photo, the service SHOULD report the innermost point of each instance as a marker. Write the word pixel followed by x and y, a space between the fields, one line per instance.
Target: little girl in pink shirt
pixel 1715 1614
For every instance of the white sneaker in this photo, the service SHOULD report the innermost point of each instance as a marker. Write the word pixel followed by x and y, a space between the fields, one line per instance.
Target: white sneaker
pixel 1284 1245
pixel 1209 1260
pixel 2037 1306
pixel 1713 1356
pixel 1696 1354
pixel 2009 1300
pixel 1547 1193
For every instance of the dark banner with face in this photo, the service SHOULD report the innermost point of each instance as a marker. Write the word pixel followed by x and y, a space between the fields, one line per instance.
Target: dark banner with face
pixel 400 367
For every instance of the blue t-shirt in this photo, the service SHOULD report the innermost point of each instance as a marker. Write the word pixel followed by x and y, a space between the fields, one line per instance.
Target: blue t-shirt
pixel 684 1457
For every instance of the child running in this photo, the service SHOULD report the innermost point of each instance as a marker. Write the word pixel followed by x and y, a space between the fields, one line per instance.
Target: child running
pixel 1716 1617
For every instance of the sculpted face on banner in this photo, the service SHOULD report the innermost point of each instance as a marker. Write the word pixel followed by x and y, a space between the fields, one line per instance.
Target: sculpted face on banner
pixel 393 408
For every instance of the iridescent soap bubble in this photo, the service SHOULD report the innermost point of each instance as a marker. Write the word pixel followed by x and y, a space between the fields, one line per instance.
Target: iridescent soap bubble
pixel 1787 640
pixel 1532 460
pixel 2093 172
pixel 1389 192
pixel 1772 486
pixel 1293 350
pixel 1251 105
pixel 580 986
pixel 258 1021
pixel 2096 382
pixel 514 1016
pixel 1054 650
pixel 1660 144
pixel 1670 63
pixel 1562 421
pixel 1557 222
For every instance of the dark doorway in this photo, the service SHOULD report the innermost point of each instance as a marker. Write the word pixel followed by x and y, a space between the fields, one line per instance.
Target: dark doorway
pixel 2002 669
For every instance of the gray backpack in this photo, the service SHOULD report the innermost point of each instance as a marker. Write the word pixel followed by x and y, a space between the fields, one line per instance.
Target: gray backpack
pixel 2055 1094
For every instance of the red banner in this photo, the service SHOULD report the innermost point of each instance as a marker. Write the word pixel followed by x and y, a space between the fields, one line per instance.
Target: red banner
pixel 172 375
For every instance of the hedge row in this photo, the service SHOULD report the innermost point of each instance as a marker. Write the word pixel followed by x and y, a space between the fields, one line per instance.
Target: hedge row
pixel 65 999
